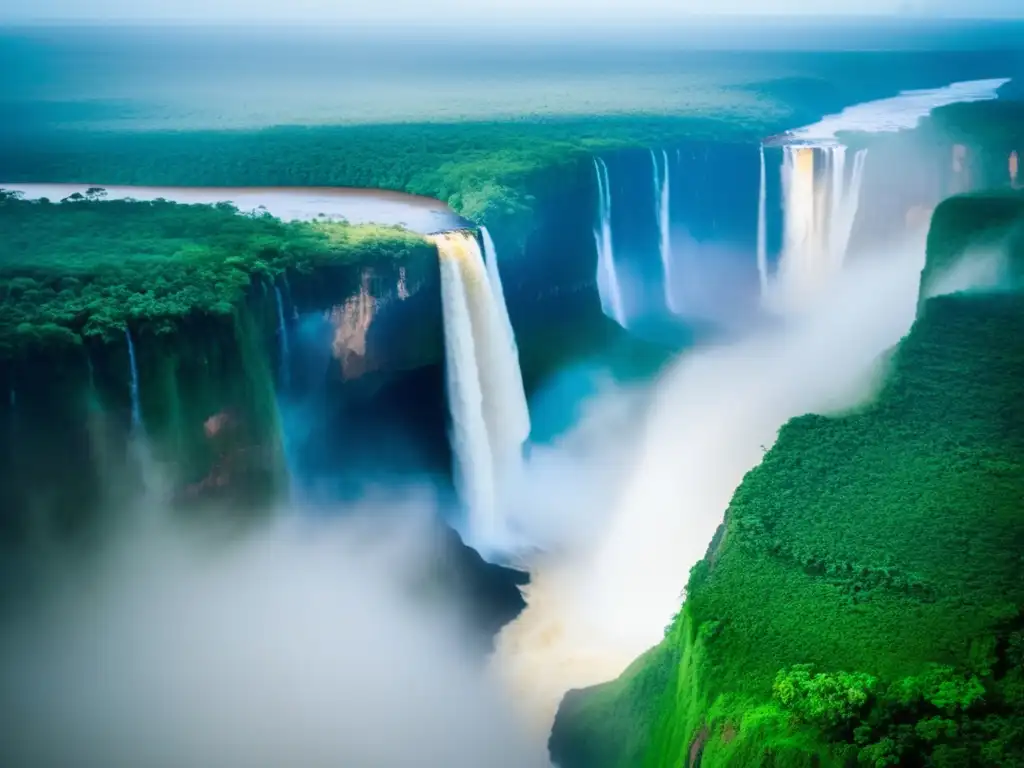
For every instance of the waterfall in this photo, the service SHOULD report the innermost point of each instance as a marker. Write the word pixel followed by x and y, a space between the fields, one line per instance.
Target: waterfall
pixel 797 265
pixel 494 276
pixel 661 205
pixel 819 209
pixel 134 380
pixel 607 281
pixel 846 200
pixel 282 339
pixel 837 163
pixel 515 412
pixel 762 229
pixel 490 420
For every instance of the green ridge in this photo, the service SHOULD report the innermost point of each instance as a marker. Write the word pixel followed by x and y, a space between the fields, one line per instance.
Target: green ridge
pixel 863 604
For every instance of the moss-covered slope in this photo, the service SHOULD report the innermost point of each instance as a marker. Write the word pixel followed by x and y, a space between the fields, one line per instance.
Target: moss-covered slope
pixel 864 601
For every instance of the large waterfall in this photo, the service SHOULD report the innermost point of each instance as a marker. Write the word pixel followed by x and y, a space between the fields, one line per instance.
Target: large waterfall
pixel 662 197
pixel 490 419
pixel 607 280
pixel 819 201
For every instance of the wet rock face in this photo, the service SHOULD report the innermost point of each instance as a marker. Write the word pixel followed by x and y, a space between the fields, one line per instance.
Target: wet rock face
pixel 490 594
pixel 391 322
pixel 241 465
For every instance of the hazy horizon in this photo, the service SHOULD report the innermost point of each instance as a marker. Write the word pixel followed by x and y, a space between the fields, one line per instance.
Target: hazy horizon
pixel 587 13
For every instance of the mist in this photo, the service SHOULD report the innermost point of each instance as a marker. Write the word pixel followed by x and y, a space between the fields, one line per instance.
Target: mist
pixel 307 643
pixel 709 421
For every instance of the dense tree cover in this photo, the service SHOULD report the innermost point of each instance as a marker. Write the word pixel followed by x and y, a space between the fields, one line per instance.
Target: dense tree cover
pixel 192 283
pixel 863 604
pixel 488 172
pixel 88 268
pixel 495 173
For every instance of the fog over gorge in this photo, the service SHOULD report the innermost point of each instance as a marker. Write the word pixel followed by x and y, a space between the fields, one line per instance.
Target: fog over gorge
pixel 712 415
pixel 377 384
pixel 309 641
pixel 302 643
pixel 710 419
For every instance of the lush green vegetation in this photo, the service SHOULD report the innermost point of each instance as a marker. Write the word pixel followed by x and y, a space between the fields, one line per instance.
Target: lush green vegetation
pixel 192 285
pixel 488 172
pixel 863 604
pixel 496 173
pixel 90 268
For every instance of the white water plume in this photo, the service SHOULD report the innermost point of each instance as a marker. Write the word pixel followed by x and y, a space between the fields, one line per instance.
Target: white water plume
pixel 490 421
pixel 662 199
pixel 301 642
pixel 711 418
pixel 607 278
pixel 518 412
pixel 762 229
pixel 820 205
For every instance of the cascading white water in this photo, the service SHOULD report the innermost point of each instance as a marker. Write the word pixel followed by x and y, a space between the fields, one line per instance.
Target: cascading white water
pixel 819 207
pixel 494 276
pixel 517 410
pixel 607 280
pixel 662 197
pixel 490 421
pixel 798 267
pixel 282 339
pixel 134 382
pixel 846 200
pixel 762 229
pixel 837 168
pixel 607 597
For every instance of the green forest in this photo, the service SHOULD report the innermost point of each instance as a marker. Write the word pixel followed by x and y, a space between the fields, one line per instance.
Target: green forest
pixel 91 267
pixel 490 172
pixel 487 172
pixel 863 603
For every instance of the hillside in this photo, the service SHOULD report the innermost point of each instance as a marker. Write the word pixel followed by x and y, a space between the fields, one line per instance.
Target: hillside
pixel 864 601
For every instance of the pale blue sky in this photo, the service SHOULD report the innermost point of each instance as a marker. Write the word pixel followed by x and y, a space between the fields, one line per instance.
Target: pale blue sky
pixel 496 11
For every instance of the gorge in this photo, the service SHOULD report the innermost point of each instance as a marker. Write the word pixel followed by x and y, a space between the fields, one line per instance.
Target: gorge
pixel 280 360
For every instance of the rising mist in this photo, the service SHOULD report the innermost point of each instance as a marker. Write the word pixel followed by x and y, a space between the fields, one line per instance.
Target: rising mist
pixel 306 643
pixel 709 421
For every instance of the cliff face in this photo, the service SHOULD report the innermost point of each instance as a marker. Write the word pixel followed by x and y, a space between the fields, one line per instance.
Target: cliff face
pixel 863 601
pixel 174 329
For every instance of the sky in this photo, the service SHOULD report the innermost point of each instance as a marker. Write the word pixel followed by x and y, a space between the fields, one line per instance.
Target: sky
pixel 495 11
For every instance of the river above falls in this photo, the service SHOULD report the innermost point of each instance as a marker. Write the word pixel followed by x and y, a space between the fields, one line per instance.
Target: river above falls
pixel 359 206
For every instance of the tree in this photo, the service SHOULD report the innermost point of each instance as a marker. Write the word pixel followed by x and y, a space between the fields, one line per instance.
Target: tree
pixel 823 699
